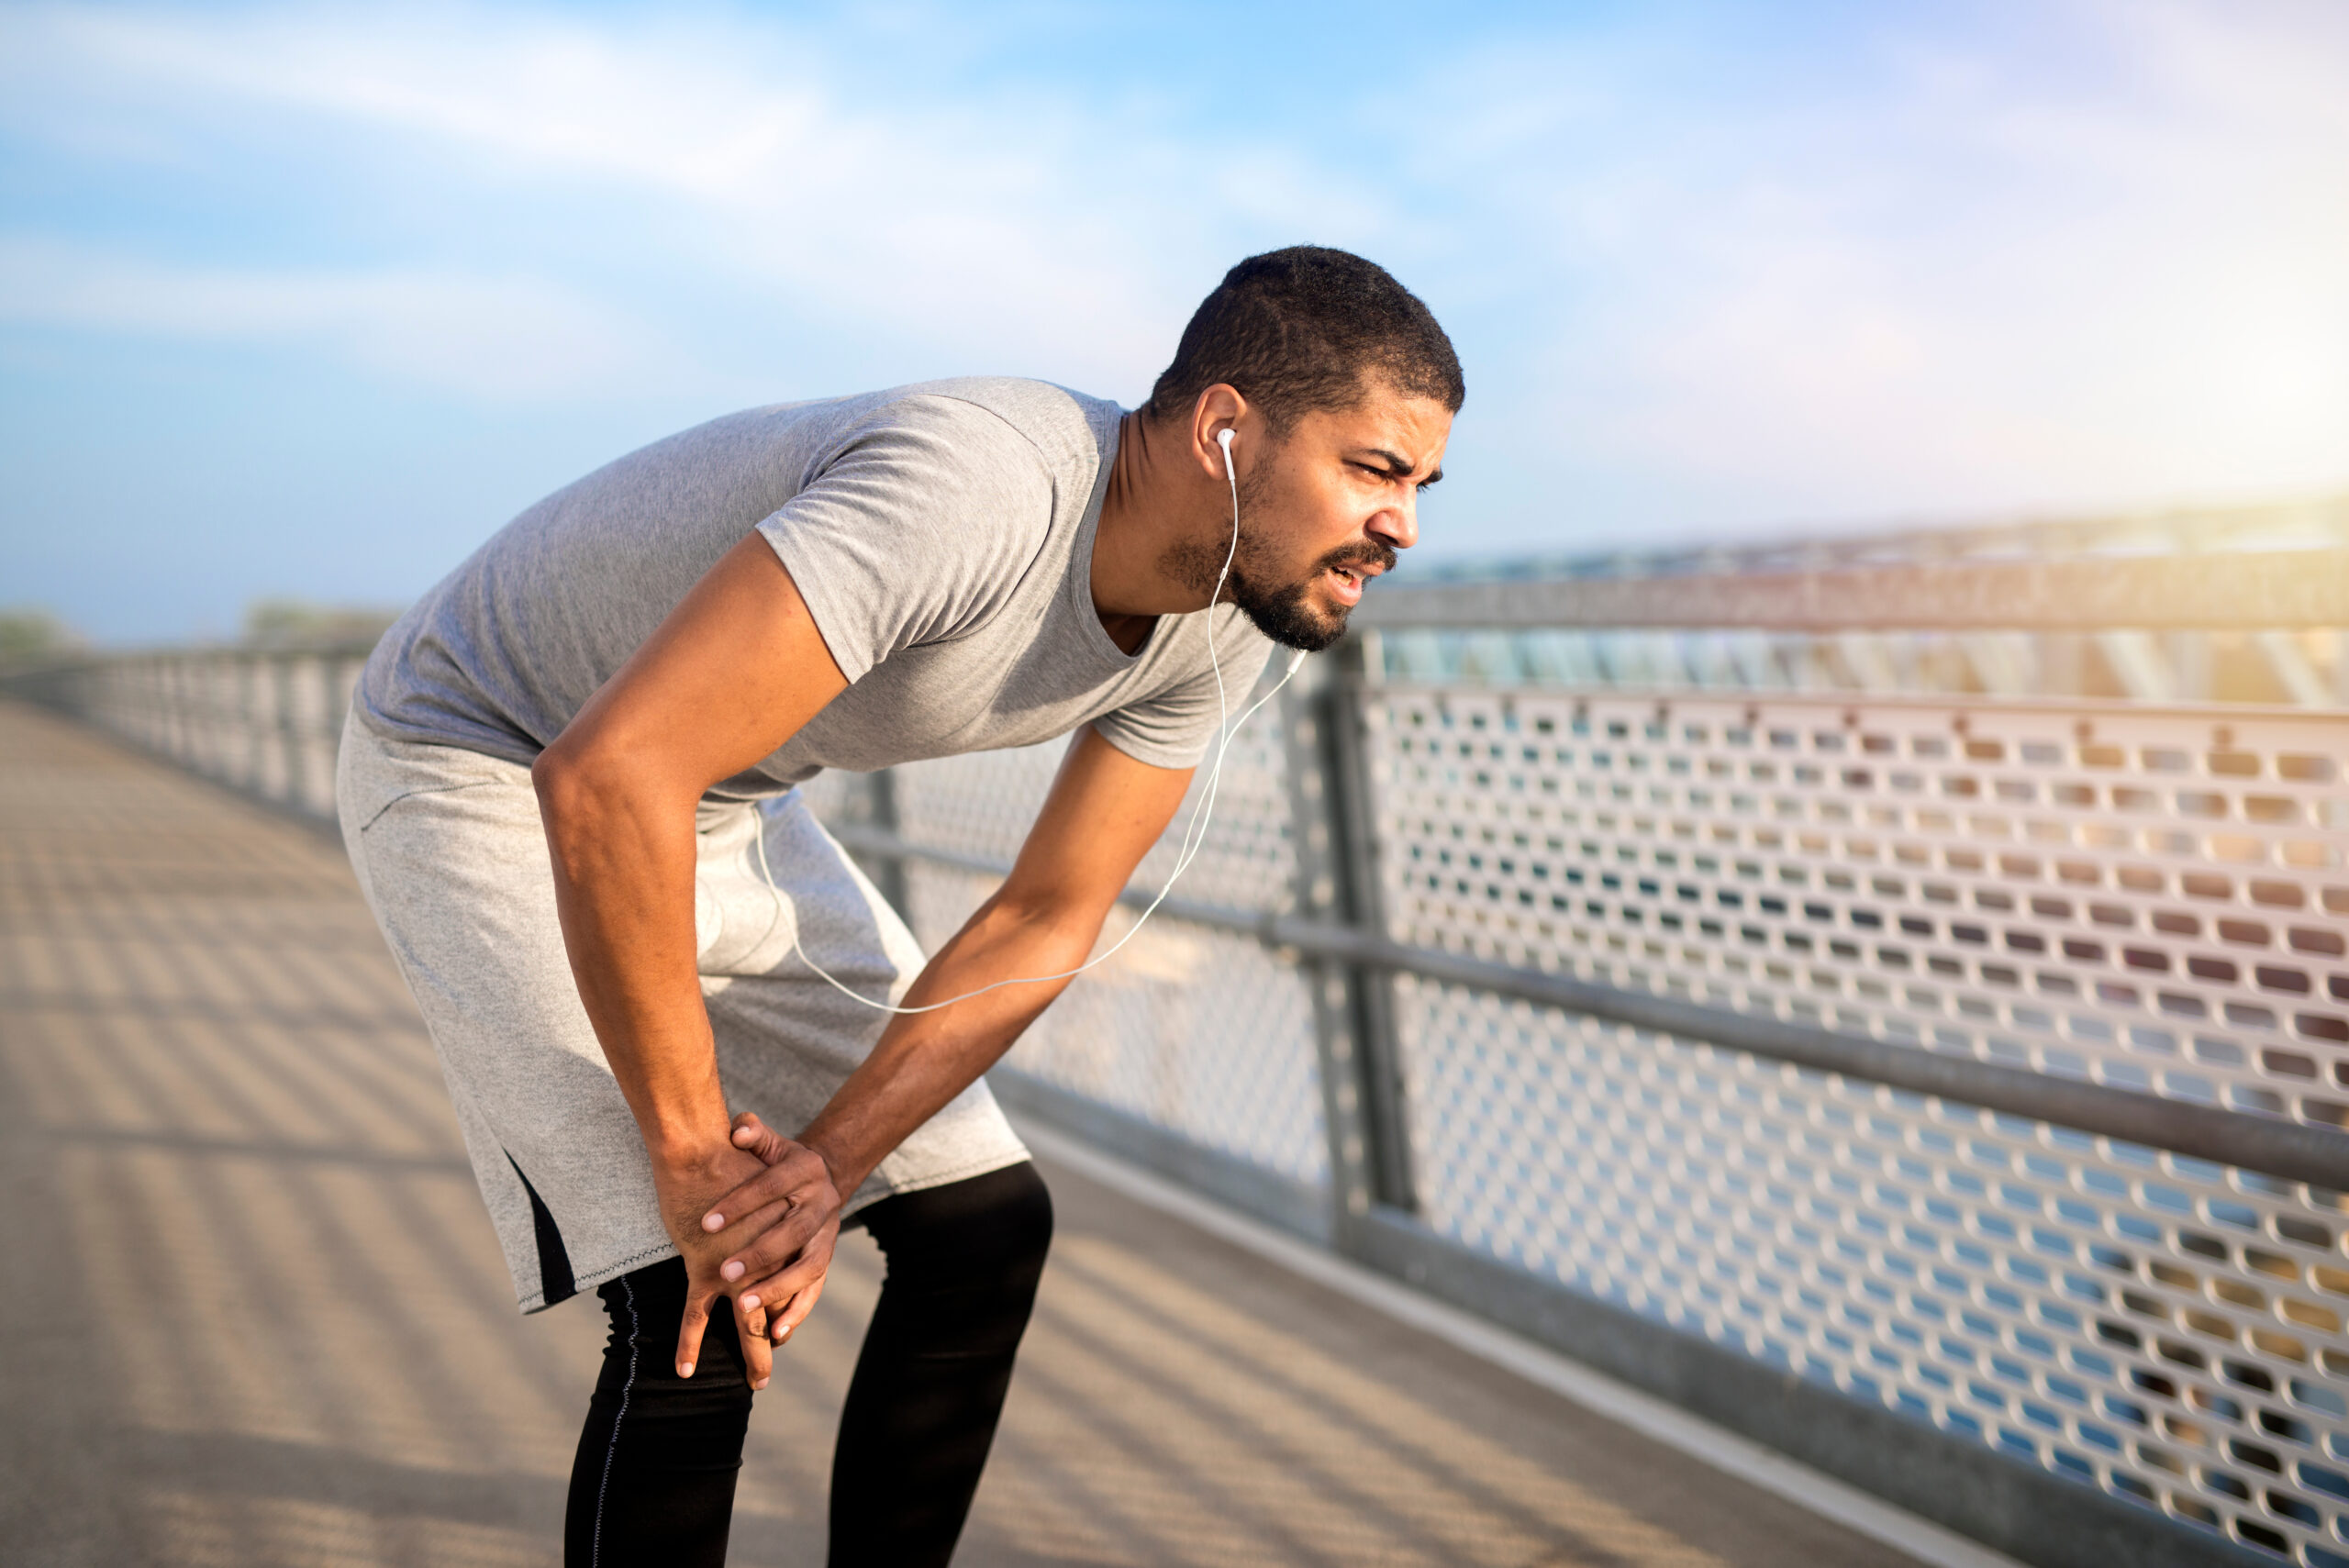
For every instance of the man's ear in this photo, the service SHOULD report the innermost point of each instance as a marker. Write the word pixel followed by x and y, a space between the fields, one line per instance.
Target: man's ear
pixel 1218 409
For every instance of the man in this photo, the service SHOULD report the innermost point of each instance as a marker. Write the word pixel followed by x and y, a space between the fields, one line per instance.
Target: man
pixel 568 798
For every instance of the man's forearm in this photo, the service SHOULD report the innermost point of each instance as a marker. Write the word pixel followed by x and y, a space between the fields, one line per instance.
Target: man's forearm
pixel 623 871
pixel 923 1060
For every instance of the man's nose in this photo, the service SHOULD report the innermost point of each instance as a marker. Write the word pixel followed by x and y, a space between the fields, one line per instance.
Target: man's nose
pixel 1398 524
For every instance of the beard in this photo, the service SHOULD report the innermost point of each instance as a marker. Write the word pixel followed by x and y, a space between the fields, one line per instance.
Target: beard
pixel 1287 613
pixel 1281 608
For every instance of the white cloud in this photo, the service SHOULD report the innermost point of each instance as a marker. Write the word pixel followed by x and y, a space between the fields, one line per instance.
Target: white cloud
pixel 508 339
pixel 536 89
pixel 982 221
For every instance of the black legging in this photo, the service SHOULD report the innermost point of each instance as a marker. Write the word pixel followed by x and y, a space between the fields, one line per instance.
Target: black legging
pixel 654 1480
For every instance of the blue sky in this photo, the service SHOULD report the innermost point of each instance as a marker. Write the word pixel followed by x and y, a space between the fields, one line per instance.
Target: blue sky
pixel 307 300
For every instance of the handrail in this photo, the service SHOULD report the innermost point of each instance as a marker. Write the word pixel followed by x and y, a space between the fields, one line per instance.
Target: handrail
pixel 2257 591
pixel 2292 1150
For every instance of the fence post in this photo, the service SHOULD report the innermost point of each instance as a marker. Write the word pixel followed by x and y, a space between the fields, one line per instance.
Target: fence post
pixel 342 681
pixel 294 789
pixel 260 691
pixel 170 687
pixel 888 872
pixel 1314 840
pixel 1353 1009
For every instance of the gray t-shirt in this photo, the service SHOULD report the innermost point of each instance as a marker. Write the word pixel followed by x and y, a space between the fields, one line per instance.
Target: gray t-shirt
pixel 941 535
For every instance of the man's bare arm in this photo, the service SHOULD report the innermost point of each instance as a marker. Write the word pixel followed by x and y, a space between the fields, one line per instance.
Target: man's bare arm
pixel 735 669
pixel 1104 813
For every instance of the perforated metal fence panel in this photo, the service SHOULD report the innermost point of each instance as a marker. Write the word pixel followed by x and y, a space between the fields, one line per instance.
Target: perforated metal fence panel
pixel 2160 1328
pixel 2153 900
pixel 2150 900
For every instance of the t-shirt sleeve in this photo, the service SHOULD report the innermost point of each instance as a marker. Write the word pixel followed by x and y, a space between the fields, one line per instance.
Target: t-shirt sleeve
pixel 920 525
pixel 1175 727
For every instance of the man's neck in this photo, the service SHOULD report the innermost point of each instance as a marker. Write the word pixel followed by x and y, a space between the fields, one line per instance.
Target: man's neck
pixel 1149 504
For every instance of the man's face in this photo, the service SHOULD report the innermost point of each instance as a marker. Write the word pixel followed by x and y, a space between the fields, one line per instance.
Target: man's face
pixel 1324 511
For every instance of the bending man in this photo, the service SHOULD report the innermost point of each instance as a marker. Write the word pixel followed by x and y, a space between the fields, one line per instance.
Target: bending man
pixel 568 795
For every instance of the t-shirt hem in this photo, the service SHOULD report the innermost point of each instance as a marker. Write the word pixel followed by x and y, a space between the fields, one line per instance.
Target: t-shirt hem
pixel 484 742
pixel 1155 756
pixel 822 608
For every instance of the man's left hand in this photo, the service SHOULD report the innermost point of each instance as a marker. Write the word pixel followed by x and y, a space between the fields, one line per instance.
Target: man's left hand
pixel 782 1271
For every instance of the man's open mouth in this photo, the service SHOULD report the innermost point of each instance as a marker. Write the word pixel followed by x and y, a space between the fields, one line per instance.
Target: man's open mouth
pixel 1347 582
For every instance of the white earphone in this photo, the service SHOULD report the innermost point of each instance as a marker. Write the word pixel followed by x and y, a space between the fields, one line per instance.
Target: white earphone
pixel 1194 835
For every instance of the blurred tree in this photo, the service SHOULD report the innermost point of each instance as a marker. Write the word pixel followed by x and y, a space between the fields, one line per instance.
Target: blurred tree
pixel 286 622
pixel 30 635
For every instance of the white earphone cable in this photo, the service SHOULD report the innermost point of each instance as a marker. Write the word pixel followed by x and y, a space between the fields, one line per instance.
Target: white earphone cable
pixel 1194 834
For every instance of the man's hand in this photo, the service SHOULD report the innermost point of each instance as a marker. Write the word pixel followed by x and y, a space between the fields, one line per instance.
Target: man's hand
pixel 793 1210
pixel 686 1194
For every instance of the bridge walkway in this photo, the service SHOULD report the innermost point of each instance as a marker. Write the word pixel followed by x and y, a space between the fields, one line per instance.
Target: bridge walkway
pixel 253 1314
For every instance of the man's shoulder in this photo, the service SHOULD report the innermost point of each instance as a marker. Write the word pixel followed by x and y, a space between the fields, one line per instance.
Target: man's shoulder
pixel 1066 427
pixel 1069 431
pixel 1035 408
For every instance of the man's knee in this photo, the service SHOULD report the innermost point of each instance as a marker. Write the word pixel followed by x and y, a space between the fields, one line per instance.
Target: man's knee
pixel 1000 1223
pixel 1021 1211
pixel 647 1306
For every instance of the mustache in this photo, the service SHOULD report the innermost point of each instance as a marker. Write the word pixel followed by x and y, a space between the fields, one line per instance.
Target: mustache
pixel 1368 552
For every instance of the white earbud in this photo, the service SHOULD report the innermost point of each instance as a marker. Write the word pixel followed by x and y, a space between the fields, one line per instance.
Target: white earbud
pixel 1194 834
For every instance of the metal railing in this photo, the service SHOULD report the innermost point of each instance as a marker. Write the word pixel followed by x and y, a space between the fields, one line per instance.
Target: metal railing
pixel 266 721
pixel 2235 605
pixel 1952 1091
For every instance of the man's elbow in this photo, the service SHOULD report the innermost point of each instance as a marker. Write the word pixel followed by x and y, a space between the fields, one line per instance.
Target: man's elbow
pixel 1057 907
pixel 554 775
pixel 574 783
pixel 589 783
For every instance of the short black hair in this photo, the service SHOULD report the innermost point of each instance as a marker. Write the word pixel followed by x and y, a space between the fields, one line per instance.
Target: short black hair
pixel 1301 329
